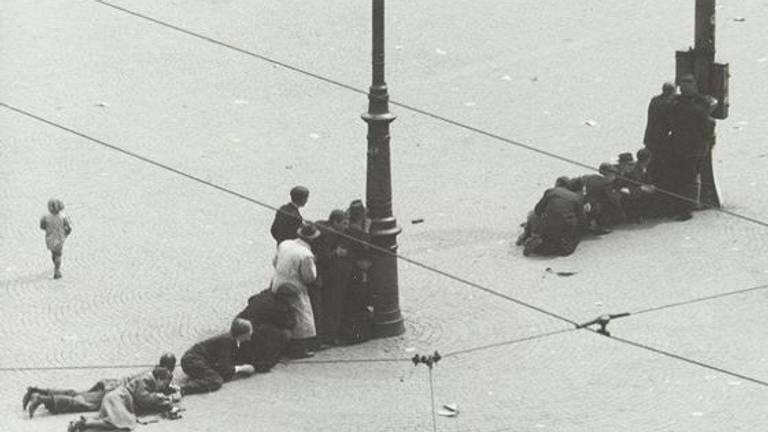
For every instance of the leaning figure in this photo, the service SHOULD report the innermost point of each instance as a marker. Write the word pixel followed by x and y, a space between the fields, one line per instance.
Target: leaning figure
pixel 143 394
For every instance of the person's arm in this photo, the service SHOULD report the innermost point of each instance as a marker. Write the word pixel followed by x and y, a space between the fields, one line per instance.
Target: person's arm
pixel 43 223
pixel 541 205
pixel 144 395
pixel 276 225
pixel 581 214
pixel 287 319
pixel 245 369
pixel 307 270
pixel 649 126
pixel 67 227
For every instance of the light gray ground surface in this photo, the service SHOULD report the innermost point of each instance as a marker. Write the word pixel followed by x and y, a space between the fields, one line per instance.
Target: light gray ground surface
pixel 158 261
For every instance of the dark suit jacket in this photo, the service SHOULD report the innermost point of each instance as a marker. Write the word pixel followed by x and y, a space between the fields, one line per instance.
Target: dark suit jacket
pixel 604 199
pixel 266 308
pixel 692 127
pixel 287 222
pixel 659 123
pixel 562 211
pixel 217 352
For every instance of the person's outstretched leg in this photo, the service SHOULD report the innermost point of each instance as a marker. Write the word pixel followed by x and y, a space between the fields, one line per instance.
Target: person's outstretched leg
pixel 201 378
pixel 56 257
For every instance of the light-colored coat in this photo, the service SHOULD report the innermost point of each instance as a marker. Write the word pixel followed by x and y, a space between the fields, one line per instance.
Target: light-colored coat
pixel 57 228
pixel 139 395
pixel 294 263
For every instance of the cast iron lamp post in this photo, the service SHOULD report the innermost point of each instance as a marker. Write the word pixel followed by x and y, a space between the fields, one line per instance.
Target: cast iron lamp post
pixel 382 276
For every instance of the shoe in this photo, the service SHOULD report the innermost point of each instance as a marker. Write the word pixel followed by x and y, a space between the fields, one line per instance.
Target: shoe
pixel 27 397
pixel 521 239
pixel 76 425
pixel 682 217
pixel 302 354
pixel 57 275
pixel 35 401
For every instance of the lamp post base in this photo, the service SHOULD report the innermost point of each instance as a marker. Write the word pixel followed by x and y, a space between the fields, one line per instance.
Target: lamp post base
pixel 389 328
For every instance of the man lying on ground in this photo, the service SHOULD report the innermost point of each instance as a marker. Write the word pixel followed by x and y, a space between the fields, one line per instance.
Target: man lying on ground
pixel 59 401
pixel 143 394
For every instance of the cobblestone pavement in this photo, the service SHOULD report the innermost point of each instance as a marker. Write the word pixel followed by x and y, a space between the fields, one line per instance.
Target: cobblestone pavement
pixel 158 261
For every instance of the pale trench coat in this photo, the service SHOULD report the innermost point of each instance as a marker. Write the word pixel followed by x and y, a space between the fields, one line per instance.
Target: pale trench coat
pixel 294 262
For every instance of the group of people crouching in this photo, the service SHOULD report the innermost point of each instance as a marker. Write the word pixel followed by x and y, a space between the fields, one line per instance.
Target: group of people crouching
pixel 590 204
pixel 666 179
pixel 317 298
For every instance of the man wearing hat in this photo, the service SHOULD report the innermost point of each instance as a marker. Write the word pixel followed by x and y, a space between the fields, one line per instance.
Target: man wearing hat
pixel 294 264
pixel 334 268
pixel 559 218
pixel 692 135
pixel 288 219
pixel 658 129
pixel 603 198
pixel 638 198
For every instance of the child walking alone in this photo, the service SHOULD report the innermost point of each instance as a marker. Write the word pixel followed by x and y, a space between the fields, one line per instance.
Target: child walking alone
pixel 57 228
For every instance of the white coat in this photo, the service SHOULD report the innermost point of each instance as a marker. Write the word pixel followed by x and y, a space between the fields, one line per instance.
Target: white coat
pixel 294 263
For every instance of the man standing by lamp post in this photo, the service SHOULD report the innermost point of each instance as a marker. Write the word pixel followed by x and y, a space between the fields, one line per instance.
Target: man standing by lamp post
pixel 711 79
pixel 382 276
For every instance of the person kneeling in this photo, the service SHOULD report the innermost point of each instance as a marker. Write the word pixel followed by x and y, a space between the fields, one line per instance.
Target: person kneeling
pixel 556 223
pixel 272 318
pixel 210 363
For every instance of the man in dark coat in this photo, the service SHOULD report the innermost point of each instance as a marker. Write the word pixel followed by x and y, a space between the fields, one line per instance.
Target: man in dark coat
pixel 334 269
pixel 692 133
pixel 604 200
pixel 288 219
pixel 58 401
pixel 657 132
pixel 560 214
pixel 638 194
pixel 356 316
pixel 211 362
pixel 533 222
pixel 272 318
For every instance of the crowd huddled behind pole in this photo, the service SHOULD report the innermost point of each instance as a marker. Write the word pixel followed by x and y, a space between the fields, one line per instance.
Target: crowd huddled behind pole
pixel 317 298
pixel 662 182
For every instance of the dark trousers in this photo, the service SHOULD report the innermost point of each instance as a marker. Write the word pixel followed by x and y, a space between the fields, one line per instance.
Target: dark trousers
pixel 78 402
pixel 201 377
pixel 268 343
pixel 683 171
pixel 332 296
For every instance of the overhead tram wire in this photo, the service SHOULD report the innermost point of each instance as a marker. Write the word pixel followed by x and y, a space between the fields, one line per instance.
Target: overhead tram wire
pixel 700 299
pixel 411 261
pixel 688 360
pixel 407 107
pixel 419 111
pixel 267 206
pixel 75 367
pixel 509 342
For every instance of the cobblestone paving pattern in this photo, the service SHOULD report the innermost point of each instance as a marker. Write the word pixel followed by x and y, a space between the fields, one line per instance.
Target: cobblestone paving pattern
pixel 157 261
